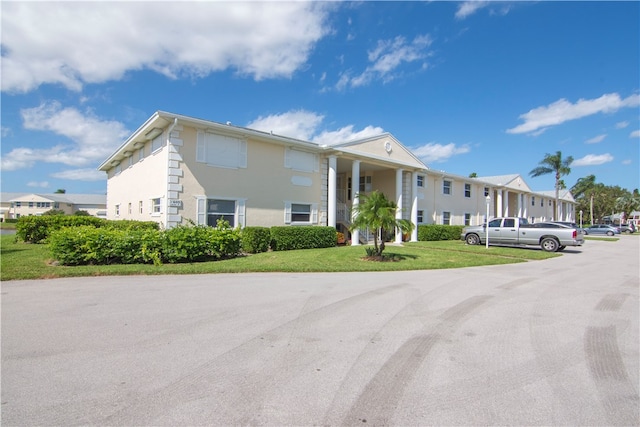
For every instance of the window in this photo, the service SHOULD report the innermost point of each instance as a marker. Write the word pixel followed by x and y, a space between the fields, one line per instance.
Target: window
pixel 30 204
pixel 549 202
pixel 467 190
pixel 509 222
pixel 420 179
pixel 495 222
pixel 140 206
pixel 18 204
pixel 365 184
pixel 533 200
pixel 156 206
pixel 446 218
pixel 300 213
pixel 221 209
pixel 467 219
pixel 541 202
pixel 221 151
pixel 446 187
pixel 157 143
pixel 118 168
pixel 56 205
pixel 420 216
pixel 129 208
pixel 301 160
pixel 117 210
pixel 486 191
pixel 130 161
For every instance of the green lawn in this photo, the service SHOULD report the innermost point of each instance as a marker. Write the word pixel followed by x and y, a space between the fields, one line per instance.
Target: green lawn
pixel 29 261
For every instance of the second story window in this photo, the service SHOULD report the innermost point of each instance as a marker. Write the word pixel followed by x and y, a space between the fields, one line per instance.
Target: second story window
pixel 420 180
pixel 446 187
pixel 467 190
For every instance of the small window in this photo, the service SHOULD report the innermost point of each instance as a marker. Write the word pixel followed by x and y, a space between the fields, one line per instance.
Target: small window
pixel 117 210
pixel 420 216
pixel 300 212
pixel 140 206
pixel 118 168
pixel 446 187
pixel 221 209
pixel 156 206
pixel 486 191
pixel 467 219
pixel 141 153
pixel 533 200
pixel 157 143
pixel 365 184
pixel 18 204
pixel 130 161
pixel 549 202
pixel 129 208
pixel 30 204
pixel 420 179
pixel 509 222
pixel 467 190
pixel 446 218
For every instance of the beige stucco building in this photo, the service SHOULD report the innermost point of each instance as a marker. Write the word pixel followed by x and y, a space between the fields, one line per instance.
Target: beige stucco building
pixel 175 169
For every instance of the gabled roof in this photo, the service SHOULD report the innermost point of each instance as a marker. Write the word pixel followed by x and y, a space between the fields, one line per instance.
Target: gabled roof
pixel 514 181
pixel 74 199
pixel 562 194
pixel 383 147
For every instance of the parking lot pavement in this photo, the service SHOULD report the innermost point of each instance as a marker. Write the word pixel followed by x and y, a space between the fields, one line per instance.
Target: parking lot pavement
pixel 550 342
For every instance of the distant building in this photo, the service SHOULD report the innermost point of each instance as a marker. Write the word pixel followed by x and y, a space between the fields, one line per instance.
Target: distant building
pixel 15 205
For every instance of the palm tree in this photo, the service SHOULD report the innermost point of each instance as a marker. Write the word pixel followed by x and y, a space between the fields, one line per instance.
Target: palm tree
pixel 376 212
pixel 553 163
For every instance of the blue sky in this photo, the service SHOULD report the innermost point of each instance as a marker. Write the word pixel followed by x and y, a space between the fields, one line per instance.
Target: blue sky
pixel 484 87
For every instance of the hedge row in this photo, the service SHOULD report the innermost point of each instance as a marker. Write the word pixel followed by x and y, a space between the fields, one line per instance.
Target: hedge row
pixel 90 245
pixel 37 229
pixel 290 238
pixel 435 232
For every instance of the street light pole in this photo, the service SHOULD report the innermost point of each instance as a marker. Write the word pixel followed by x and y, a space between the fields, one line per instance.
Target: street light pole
pixel 488 199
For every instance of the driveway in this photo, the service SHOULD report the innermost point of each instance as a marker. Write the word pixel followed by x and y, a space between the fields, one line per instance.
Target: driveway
pixel 550 342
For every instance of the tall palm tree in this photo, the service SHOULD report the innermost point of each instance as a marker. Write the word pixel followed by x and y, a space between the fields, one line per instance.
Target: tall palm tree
pixel 582 185
pixel 553 163
pixel 376 212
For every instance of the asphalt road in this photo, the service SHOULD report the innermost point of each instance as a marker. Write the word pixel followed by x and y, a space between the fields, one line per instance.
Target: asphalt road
pixel 550 342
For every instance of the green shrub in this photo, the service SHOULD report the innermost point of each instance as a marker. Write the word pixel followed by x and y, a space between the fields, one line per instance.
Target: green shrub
pixel 305 237
pixel 189 243
pixel 36 229
pixel 90 245
pixel 255 239
pixel 435 232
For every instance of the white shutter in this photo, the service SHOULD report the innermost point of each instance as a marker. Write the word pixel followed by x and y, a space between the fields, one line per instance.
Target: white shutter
pixel 287 212
pixel 287 158
pixel 201 214
pixel 201 152
pixel 242 155
pixel 314 213
pixel 240 207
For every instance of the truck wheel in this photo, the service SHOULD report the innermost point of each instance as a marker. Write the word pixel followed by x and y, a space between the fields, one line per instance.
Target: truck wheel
pixel 472 239
pixel 549 244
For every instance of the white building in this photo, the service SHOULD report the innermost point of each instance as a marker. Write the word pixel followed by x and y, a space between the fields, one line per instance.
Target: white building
pixel 176 168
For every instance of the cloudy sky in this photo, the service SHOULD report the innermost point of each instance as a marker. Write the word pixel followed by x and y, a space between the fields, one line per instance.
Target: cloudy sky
pixel 484 87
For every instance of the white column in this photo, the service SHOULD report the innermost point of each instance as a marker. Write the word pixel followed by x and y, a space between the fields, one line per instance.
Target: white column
pixel 506 202
pixel 332 192
pixel 414 206
pixel 499 211
pixel 520 196
pixel 398 203
pixel 525 210
pixel 355 188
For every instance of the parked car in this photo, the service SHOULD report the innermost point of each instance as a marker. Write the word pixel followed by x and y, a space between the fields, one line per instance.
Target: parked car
pixel 627 228
pixel 609 230
pixel 570 224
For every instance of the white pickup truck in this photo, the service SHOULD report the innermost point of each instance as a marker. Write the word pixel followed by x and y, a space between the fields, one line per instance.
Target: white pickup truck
pixel 550 236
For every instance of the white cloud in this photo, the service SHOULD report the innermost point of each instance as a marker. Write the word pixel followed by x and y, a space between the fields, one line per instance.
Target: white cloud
pixel 468 8
pixel 91 139
pixel 622 125
pixel 386 58
pixel 87 174
pixel 300 124
pixel 346 134
pixel 593 160
pixel 562 111
pixel 596 139
pixel 305 125
pixel 42 184
pixel 438 153
pixel 635 134
pixel 6 131
pixel 74 43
